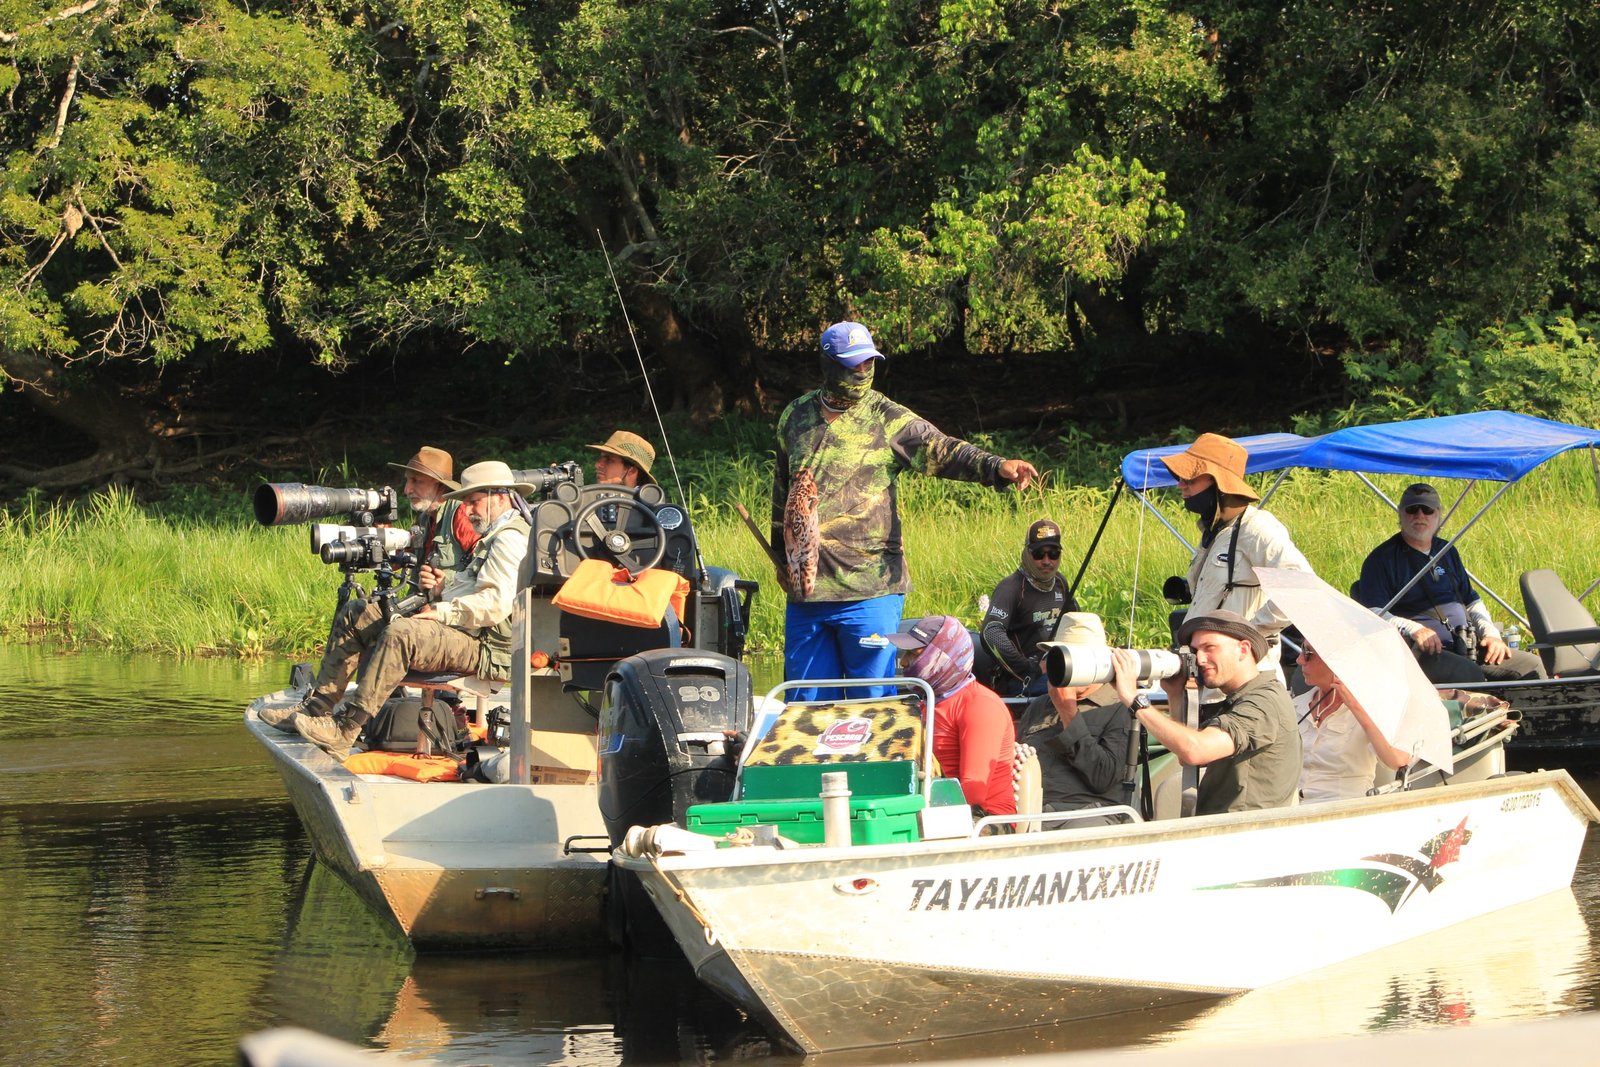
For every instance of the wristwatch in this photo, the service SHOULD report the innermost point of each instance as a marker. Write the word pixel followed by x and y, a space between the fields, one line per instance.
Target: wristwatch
pixel 1140 702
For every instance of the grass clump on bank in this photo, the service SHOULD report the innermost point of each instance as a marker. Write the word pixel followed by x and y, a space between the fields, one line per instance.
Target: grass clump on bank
pixel 196 576
pixel 109 573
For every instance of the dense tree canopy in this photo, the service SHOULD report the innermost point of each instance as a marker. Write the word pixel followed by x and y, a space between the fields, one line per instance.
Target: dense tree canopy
pixel 1401 189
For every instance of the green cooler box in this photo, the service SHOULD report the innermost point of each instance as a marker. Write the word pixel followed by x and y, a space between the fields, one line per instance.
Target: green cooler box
pixel 883 807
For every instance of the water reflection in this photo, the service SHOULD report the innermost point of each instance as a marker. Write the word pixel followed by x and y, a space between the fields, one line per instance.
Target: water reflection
pixel 1524 963
pixel 160 901
pixel 489 1008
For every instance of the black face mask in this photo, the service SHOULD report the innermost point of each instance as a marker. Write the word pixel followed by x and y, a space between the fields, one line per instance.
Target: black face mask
pixel 1203 504
pixel 844 387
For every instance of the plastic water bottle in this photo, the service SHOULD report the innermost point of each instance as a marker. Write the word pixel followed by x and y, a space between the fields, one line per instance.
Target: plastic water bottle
pixel 1513 636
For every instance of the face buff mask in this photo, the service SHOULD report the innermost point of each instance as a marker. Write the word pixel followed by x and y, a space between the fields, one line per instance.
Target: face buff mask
pixel 1204 504
pixel 843 387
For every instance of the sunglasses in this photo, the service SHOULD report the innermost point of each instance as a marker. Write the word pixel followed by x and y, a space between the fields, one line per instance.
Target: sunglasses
pixel 1046 553
pixel 1308 653
pixel 1419 509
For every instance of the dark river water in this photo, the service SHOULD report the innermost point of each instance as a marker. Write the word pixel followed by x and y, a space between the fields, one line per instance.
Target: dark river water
pixel 158 900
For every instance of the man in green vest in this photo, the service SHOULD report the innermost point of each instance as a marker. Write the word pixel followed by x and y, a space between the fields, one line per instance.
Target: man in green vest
pixel 445 544
pixel 465 628
pixel 447 537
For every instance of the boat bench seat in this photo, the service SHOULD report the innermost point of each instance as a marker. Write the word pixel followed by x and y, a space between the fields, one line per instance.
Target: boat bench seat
pixel 481 690
pixel 1564 631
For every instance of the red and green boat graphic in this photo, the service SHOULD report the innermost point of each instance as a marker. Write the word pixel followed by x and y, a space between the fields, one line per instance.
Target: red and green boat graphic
pixel 1392 878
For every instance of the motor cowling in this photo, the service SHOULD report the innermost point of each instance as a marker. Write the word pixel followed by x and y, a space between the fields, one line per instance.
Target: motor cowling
pixel 669 719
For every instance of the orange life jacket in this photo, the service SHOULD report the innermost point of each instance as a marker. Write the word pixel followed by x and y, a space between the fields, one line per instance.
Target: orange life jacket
pixel 598 590
pixel 405 765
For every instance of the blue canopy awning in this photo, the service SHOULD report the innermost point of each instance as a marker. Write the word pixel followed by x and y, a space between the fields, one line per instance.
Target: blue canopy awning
pixel 1492 445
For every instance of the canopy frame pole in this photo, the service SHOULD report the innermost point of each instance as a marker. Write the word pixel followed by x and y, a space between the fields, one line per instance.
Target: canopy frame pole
pixel 1184 541
pixel 1088 555
pixel 1273 488
pixel 1476 581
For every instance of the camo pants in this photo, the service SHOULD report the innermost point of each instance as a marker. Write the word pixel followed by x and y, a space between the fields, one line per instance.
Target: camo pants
pixel 384 653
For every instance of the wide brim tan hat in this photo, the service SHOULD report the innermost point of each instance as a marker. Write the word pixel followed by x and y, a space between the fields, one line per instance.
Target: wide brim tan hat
pixel 490 474
pixel 1221 457
pixel 433 463
pixel 634 449
pixel 1077 628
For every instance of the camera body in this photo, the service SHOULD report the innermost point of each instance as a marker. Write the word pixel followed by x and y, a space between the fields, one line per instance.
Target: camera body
pixel 498 723
pixel 365 547
pixel 1073 666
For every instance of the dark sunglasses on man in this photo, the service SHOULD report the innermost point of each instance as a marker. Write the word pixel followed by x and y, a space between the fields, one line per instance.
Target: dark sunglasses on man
pixel 1046 553
pixel 1419 509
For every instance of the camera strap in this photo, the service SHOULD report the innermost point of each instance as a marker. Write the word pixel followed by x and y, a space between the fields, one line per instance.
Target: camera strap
pixel 1233 554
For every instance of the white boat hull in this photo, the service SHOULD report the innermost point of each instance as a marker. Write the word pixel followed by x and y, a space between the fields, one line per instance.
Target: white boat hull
pixel 845 948
pixel 453 865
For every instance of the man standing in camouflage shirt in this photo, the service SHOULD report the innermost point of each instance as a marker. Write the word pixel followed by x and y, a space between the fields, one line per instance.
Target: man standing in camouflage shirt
pixel 841 449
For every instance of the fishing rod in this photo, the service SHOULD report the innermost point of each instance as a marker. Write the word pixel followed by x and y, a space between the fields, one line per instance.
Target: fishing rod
pixel 666 442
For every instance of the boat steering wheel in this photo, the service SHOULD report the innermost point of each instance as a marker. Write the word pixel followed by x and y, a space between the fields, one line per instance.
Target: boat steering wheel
pixel 600 534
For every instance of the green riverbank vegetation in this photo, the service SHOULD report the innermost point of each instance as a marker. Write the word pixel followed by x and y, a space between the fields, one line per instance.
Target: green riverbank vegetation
pixel 194 575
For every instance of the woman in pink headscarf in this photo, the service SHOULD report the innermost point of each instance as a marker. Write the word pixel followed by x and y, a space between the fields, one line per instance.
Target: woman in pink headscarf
pixel 973 737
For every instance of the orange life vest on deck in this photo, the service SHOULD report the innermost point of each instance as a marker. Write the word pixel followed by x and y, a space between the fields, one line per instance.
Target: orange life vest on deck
pixel 406 765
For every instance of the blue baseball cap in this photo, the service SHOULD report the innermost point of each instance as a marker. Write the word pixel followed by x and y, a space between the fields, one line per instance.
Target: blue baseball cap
pixel 850 343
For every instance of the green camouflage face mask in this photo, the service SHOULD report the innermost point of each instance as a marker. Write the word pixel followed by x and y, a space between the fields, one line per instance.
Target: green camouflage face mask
pixel 843 387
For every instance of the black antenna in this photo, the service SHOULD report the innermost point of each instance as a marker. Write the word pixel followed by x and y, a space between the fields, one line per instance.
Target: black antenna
pixel 649 390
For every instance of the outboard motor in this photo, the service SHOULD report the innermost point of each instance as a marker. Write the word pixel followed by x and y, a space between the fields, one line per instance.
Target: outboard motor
pixel 668 720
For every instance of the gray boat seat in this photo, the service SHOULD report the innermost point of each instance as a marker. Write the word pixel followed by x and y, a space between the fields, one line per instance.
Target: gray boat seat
pixel 480 690
pixel 1564 632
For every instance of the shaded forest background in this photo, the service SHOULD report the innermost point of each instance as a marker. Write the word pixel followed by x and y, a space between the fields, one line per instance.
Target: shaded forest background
pixel 227 229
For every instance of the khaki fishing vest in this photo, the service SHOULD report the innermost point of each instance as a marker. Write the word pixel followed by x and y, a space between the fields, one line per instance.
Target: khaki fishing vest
pixel 494 642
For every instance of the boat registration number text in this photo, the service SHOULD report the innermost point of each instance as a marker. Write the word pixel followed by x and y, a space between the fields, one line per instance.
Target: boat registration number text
pixel 1034 890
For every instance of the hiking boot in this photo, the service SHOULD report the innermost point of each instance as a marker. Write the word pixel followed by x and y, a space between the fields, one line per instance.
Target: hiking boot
pixel 333 735
pixel 283 718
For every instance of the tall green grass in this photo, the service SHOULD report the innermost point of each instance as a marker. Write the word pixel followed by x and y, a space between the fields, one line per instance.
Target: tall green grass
pixel 199 578
pixel 107 572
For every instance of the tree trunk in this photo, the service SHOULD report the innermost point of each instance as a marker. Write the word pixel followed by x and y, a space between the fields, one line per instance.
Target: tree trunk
pixel 126 440
pixel 692 372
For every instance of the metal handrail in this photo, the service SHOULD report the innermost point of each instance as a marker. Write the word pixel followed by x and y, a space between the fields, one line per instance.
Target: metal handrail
pixel 1055 816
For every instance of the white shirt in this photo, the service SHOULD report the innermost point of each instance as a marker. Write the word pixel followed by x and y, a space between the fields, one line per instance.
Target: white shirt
pixel 1337 760
pixel 1263 542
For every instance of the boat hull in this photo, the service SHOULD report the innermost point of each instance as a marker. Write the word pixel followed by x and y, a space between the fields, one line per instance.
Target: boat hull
pixel 1560 719
pixel 846 948
pixel 453 865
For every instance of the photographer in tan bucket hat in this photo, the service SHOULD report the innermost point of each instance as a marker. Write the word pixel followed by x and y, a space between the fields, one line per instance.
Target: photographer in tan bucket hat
pixel 1236 537
pixel 1081 732
pixel 625 459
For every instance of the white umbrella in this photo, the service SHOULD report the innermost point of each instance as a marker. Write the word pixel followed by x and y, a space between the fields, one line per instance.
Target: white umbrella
pixel 1370 658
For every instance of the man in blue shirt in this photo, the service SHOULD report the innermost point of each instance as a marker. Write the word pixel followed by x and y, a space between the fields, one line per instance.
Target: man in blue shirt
pixel 1442 616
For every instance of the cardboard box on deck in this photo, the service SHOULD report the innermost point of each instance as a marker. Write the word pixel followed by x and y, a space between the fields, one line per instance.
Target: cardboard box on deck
pixel 553 749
